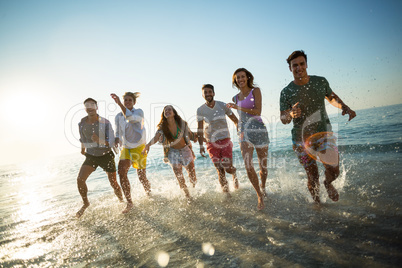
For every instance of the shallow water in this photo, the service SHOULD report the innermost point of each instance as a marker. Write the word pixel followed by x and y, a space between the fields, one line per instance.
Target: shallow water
pixel 38 201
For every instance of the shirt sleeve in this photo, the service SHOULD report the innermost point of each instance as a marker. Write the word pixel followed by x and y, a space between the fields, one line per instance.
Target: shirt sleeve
pixel 328 90
pixel 116 123
pixel 134 117
pixel 81 132
pixel 109 134
pixel 284 102
pixel 199 115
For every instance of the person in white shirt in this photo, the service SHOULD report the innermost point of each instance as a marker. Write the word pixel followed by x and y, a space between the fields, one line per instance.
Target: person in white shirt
pixel 211 117
pixel 130 133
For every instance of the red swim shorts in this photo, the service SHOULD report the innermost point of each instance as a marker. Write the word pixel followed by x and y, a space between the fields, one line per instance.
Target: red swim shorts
pixel 220 149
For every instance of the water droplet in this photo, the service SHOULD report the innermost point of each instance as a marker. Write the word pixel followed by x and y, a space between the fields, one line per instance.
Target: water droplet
pixel 162 258
pixel 208 249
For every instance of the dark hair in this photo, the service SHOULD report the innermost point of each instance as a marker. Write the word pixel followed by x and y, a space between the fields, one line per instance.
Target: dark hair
pixel 250 78
pixel 90 99
pixel 295 55
pixel 163 124
pixel 208 86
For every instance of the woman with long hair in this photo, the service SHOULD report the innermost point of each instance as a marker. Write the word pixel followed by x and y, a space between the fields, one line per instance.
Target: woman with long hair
pixel 251 129
pixel 176 135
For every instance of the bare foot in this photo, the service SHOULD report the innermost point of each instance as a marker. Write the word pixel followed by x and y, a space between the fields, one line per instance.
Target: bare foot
pixel 82 210
pixel 128 208
pixel 260 205
pixel 332 192
pixel 263 191
pixel 236 182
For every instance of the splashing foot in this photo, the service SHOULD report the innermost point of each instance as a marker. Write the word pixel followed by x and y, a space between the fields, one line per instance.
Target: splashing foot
pixel 128 208
pixel 332 192
pixel 260 205
pixel 82 210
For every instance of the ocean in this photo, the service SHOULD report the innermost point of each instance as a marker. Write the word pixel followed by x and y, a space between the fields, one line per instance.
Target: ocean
pixel 38 202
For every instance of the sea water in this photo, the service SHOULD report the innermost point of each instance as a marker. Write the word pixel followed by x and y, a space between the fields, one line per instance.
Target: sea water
pixel 38 202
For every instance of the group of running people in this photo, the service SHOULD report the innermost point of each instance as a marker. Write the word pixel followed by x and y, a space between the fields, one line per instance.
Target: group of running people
pixel 302 101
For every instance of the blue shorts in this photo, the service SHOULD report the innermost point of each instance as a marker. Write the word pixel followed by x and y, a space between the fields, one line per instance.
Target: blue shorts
pixel 255 133
pixel 183 156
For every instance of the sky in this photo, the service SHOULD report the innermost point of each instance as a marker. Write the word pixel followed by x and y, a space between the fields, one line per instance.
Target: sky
pixel 55 54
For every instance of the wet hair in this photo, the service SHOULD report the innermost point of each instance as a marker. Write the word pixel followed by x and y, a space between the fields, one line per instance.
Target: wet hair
pixel 134 95
pixel 208 86
pixel 163 124
pixel 250 78
pixel 90 99
pixel 295 55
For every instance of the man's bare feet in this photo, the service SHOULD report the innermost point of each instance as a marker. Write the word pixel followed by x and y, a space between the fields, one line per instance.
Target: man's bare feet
pixel 332 192
pixel 260 205
pixel 82 210
pixel 128 208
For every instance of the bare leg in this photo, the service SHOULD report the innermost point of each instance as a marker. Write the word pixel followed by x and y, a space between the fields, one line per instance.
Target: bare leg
pixel 262 154
pixel 191 173
pixel 116 187
pixel 83 175
pixel 247 153
pixel 227 164
pixel 331 174
pixel 142 176
pixel 222 177
pixel 177 169
pixel 124 166
pixel 313 183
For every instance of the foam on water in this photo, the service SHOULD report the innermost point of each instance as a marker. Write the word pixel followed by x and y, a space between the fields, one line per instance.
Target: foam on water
pixel 38 224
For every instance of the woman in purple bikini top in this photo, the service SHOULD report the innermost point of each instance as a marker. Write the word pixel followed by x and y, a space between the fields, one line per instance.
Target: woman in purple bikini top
pixel 248 103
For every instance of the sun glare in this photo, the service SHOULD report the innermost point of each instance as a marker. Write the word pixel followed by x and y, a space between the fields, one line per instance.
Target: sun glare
pixel 24 109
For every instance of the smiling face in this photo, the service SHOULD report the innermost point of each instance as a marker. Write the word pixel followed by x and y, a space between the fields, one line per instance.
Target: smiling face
pixel 208 94
pixel 129 102
pixel 90 108
pixel 298 67
pixel 168 111
pixel 241 79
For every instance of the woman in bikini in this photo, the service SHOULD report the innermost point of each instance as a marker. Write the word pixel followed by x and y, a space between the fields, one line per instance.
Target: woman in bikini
pixel 251 129
pixel 176 135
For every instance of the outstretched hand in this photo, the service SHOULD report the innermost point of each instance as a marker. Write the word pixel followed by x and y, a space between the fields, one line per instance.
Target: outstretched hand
pixel 231 105
pixel 350 112
pixel 116 98
pixel 202 151
pixel 146 150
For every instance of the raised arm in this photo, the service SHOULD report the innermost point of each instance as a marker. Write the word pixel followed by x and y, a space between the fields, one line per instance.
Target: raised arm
pixel 117 100
pixel 334 100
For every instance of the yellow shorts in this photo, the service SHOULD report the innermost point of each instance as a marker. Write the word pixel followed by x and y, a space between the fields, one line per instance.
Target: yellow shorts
pixel 138 160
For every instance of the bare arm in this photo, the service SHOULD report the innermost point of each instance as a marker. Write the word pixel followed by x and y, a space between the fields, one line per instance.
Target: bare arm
pixel 154 140
pixel 117 100
pixel 334 100
pixel 200 133
pixel 234 119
